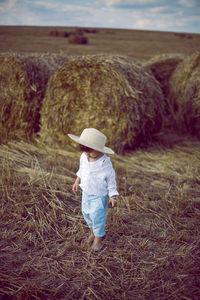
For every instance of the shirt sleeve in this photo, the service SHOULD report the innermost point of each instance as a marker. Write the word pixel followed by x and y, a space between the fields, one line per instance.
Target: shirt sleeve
pixel 78 173
pixel 111 181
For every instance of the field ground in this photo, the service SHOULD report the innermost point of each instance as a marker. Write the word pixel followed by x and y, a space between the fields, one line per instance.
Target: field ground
pixel 137 44
pixel 152 246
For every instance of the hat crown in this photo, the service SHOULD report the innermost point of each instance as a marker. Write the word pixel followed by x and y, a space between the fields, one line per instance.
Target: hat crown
pixel 92 136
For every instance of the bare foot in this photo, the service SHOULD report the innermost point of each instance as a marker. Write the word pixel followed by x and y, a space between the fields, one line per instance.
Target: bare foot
pixel 90 239
pixel 97 244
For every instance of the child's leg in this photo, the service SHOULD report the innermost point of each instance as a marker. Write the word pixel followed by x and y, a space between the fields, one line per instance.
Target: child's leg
pixel 86 215
pixel 94 209
pixel 99 221
pixel 91 237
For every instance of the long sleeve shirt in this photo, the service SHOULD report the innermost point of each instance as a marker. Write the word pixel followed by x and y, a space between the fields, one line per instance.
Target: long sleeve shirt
pixel 97 177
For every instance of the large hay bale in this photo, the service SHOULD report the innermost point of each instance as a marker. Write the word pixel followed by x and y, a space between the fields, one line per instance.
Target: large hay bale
pixel 23 81
pixel 77 39
pixel 184 94
pixel 110 93
pixel 162 67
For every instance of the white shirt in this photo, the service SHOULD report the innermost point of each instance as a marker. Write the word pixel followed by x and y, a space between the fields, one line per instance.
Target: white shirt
pixel 97 177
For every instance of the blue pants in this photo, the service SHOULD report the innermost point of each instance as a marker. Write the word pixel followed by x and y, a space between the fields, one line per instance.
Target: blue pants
pixel 94 210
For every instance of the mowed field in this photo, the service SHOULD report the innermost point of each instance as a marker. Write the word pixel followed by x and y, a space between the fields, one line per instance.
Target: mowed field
pixel 152 246
pixel 138 44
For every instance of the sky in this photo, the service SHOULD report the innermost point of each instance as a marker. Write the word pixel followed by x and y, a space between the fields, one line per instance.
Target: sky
pixel 162 15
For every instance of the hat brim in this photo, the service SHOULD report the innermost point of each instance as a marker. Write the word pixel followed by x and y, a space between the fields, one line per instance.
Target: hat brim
pixel 78 140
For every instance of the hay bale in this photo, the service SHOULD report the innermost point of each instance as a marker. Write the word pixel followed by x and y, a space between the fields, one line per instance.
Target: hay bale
pixel 86 30
pixel 50 61
pixel 22 88
pixel 184 95
pixel 77 39
pixel 59 33
pixel 110 93
pixel 53 33
pixel 162 67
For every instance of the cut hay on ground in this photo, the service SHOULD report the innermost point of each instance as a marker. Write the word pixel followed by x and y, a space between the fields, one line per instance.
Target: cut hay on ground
pixel 185 95
pixel 110 93
pixel 162 67
pixel 151 249
pixel 22 87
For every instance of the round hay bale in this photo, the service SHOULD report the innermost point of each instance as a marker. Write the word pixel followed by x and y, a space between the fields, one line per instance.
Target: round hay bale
pixel 23 83
pixel 53 33
pixel 48 61
pixel 162 67
pixel 66 34
pixel 59 33
pixel 77 39
pixel 112 94
pixel 184 95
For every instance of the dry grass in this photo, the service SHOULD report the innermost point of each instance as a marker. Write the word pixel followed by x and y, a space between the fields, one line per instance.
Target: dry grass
pixel 151 250
pixel 100 92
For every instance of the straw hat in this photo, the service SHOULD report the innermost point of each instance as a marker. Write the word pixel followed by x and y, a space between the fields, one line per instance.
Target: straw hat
pixel 92 138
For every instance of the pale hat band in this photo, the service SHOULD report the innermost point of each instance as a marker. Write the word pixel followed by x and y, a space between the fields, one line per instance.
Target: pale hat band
pixel 92 138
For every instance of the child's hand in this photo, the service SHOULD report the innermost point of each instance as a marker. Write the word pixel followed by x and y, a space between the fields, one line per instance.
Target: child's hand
pixel 113 202
pixel 75 186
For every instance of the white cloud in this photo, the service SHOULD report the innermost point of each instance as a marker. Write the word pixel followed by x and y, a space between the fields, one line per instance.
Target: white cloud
pixel 154 21
pixel 142 23
pixel 125 3
pixel 46 4
pixel 62 7
pixel 159 9
pixel 187 3
pixel 6 5
pixel 55 5
pixel 19 14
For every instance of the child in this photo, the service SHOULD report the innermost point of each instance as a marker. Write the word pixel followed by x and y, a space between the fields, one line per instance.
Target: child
pixel 96 177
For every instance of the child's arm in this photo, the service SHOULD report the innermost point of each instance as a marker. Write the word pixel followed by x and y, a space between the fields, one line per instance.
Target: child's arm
pixel 76 185
pixel 112 188
pixel 113 201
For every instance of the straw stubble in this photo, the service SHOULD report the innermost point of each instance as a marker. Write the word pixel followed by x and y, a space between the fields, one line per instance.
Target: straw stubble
pixel 151 248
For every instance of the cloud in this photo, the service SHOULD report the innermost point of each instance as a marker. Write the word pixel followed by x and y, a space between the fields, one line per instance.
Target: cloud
pixel 43 13
pixel 142 23
pixel 128 3
pixel 188 3
pixel 61 7
pixel 164 18
pixel 45 4
pixel 20 12
pixel 133 3
pixel 167 15
pixel 6 5
pixel 162 10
